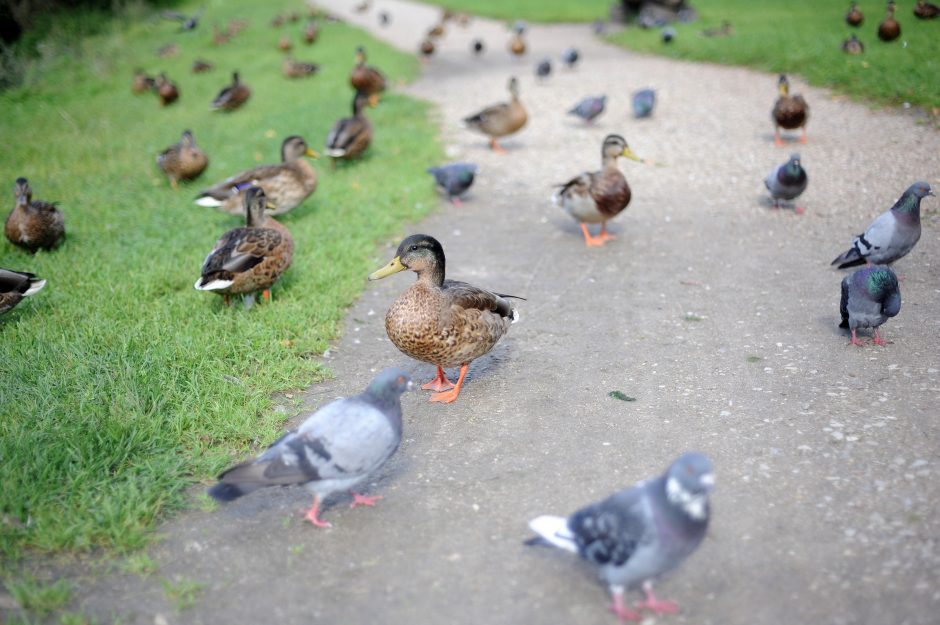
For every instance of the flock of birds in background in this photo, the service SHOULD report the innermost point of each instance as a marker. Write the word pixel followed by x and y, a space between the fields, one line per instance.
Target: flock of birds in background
pixel 635 535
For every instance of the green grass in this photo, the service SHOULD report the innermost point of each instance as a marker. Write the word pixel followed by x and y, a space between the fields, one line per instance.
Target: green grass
pixel 532 10
pixel 805 38
pixel 122 385
pixel 37 599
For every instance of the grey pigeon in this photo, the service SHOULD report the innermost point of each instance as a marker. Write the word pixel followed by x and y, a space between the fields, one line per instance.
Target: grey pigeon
pixel 15 285
pixel 870 296
pixel 598 27
pixel 544 69
pixel 643 102
pixel 638 534
pixel 589 108
pixel 570 57
pixel 519 27
pixel 478 46
pixel 668 34
pixel 892 235
pixel 337 447
pixel 454 179
pixel 787 181
pixel 186 22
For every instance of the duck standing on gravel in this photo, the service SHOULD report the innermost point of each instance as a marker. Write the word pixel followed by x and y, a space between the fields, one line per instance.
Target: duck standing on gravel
pixel 790 111
pixel 500 120
pixel 183 160
pixel 251 258
pixel 286 184
pixel 599 196
pixel 443 322
pixel 33 224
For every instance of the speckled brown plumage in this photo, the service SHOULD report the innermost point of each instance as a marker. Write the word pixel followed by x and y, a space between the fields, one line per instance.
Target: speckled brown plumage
pixel 141 82
pixel 500 119
pixel 286 184
pixel 183 160
pixel 250 258
pixel 443 322
pixel 889 29
pixel 854 17
pixel 166 90
pixel 351 136
pixel 33 224
pixel 789 112
pixel 365 78
pixel 596 197
pixel 233 96
pixel 298 69
pixel 517 45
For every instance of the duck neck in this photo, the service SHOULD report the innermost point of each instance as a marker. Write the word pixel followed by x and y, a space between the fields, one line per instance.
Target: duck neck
pixel 432 275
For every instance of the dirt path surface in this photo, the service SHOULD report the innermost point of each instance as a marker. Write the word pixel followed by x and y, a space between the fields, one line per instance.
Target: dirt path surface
pixel 715 312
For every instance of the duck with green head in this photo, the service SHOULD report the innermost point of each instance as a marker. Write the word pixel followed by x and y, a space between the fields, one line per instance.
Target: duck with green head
pixel 443 322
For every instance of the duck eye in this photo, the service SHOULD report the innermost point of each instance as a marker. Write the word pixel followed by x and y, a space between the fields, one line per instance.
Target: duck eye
pixel 414 248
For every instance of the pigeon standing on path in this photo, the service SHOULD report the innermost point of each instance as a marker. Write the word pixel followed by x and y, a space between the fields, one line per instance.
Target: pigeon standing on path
pixel 337 447
pixel 570 57
pixel 638 534
pixel 892 235
pixel 454 179
pixel 543 70
pixel 870 296
pixel 589 108
pixel 643 102
pixel 787 181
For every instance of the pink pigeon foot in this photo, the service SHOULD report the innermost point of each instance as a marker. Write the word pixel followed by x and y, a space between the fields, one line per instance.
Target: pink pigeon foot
pixel 456 202
pixel 439 383
pixel 622 611
pixel 855 340
pixel 878 340
pixel 656 605
pixel 311 514
pixel 363 500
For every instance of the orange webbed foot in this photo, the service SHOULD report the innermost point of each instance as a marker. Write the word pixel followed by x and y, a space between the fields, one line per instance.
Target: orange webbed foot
pixel 450 396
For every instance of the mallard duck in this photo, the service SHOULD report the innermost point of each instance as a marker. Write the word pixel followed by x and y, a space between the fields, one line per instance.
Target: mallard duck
pixel 724 30
pixel 517 45
pixel 199 66
pixel 362 7
pixel 251 258
pixel 790 111
pixel 15 285
pixel 889 29
pixel 366 78
pixel 311 31
pixel 166 90
pixel 852 45
pixel 436 31
pixel 183 161
pixel 926 10
pixel 298 69
pixel 168 51
pixel 500 119
pixel 233 96
pixel 220 37
pixel 599 196
pixel 426 48
pixel 33 224
pixel 442 322
pixel 351 136
pixel 854 17
pixel 293 17
pixel 286 184
pixel 277 21
pixel 141 82
pixel 284 44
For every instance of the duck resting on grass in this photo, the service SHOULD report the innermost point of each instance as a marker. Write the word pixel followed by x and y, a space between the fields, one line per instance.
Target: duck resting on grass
pixel 351 136
pixel 597 197
pixel 286 184
pixel 251 258
pixel 790 111
pixel 335 448
pixel 366 78
pixel 183 160
pixel 500 120
pixel 233 96
pixel 443 322
pixel 33 224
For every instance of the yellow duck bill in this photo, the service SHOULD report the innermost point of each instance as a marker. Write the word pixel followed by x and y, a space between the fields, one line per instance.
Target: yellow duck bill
pixel 393 267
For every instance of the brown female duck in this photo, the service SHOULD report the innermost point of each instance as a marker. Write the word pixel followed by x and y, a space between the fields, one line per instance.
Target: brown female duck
pixel 183 160
pixel 599 196
pixel 33 224
pixel 351 136
pixel 926 10
pixel 251 258
pixel 854 17
pixel 286 184
pixel 166 90
pixel 790 111
pixel 889 29
pixel 442 322
pixel 366 78
pixel 15 285
pixel 233 96
pixel 500 119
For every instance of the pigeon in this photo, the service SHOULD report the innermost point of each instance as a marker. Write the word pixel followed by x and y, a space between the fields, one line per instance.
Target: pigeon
pixel 544 69
pixel 334 449
pixel 589 108
pixel 870 296
pixel 477 46
pixel 385 18
pixel 787 181
pixel 643 102
pixel 892 235
pixel 454 179
pixel 570 57
pixel 598 27
pixel 852 45
pixel 668 34
pixel 15 285
pixel 638 534
pixel 186 22
pixel 519 27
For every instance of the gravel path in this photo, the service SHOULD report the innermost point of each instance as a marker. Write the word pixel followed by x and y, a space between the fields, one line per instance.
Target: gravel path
pixel 715 312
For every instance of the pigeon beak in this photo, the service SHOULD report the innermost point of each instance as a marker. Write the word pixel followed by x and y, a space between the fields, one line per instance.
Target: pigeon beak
pixel 629 154
pixel 411 386
pixel 393 267
pixel 310 152
pixel 708 480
